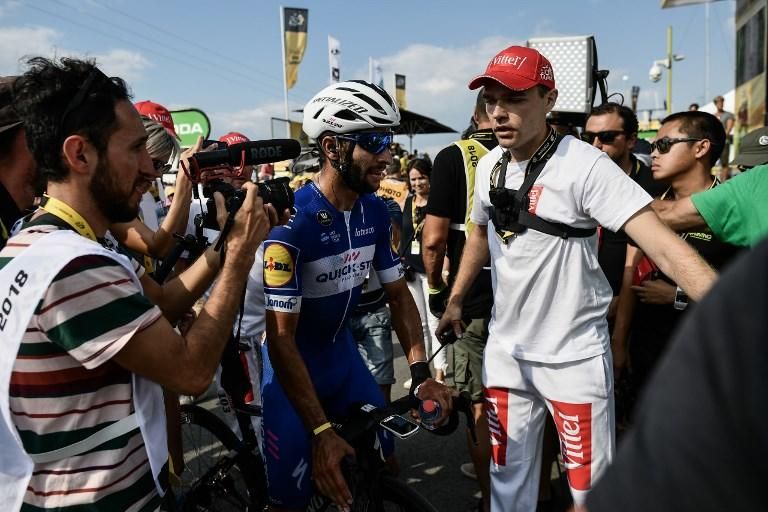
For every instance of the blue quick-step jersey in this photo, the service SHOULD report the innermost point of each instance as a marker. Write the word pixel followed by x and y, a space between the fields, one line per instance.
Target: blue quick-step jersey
pixel 315 267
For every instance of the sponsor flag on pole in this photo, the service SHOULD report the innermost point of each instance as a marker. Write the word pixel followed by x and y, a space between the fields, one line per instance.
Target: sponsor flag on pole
pixel 334 58
pixel 376 74
pixel 295 39
pixel 400 91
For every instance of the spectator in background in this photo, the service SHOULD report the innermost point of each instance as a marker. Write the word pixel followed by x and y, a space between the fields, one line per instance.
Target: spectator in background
pixel 736 211
pixel 686 148
pixel 693 107
pixel 394 171
pixel 414 216
pixel 727 119
pixel 445 232
pixel 18 170
pixel 371 322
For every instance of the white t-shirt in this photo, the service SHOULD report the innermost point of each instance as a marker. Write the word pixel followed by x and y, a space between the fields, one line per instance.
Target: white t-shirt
pixel 550 295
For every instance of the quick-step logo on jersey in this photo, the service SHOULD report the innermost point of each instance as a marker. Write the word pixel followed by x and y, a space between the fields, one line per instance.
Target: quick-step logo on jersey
pixel 497 401
pixel 337 273
pixel 574 426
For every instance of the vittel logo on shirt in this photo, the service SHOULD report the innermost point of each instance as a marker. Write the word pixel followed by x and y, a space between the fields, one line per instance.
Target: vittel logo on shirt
pixel 574 426
pixel 534 195
pixel 364 231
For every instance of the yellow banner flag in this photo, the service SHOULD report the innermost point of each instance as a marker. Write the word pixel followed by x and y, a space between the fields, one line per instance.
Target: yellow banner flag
pixel 295 42
pixel 400 91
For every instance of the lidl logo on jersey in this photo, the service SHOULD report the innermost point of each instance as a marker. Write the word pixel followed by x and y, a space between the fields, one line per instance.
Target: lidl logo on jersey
pixel 279 266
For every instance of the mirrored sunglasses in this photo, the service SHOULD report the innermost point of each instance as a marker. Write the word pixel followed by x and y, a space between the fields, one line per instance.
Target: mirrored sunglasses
pixel 373 142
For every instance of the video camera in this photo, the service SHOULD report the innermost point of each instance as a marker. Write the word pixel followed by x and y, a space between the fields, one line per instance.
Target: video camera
pixel 210 168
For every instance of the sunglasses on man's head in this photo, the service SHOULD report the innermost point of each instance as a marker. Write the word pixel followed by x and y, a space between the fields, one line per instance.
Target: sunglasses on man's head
pixel 605 137
pixel 664 144
pixel 373 142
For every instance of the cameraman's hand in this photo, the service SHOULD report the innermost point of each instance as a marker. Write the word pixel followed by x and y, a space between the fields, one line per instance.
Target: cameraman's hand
pixel 251 223
pixel 274 218
pixel 328 449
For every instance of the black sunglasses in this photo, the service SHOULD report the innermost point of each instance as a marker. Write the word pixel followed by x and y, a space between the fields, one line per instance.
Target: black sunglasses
pixel 373 142
pixel 664 144
pixel 96 79
pixel 606 137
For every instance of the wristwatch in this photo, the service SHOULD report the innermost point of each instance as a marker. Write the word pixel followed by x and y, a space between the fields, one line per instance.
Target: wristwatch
pixel 681 299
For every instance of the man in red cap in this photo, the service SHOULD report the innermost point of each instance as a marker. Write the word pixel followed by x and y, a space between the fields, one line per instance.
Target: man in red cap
pixel 233 138
pixel 157 113
pixel 543 195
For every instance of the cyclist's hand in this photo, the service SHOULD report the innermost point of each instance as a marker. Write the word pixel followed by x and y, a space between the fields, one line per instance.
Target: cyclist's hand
pixel 327 451
pixel 440 393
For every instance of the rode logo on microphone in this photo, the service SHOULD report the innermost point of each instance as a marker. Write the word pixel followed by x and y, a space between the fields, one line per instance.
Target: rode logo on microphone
pixel 574 427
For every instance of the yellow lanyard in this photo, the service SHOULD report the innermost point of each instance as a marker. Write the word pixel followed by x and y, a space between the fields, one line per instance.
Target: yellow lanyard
pixel 66 213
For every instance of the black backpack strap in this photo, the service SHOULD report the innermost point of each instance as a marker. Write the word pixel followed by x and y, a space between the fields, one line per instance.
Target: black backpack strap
pixel 522 198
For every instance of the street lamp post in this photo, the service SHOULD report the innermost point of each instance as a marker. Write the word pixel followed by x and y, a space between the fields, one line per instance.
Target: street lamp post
pixel 655 72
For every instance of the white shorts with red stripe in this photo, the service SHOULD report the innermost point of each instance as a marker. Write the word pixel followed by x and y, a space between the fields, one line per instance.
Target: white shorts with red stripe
pixel 578 395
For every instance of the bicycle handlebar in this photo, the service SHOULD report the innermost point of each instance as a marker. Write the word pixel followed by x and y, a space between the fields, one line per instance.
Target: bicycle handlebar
pixel 367 417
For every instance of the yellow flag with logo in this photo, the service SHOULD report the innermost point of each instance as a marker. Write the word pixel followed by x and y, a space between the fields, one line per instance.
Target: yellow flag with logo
pixel 400 91
pixel 294 42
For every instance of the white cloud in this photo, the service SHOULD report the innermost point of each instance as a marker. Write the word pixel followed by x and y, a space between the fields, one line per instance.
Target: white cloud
pixel 254 122
pixel 126 64
pixel 18 42
pixel 21 42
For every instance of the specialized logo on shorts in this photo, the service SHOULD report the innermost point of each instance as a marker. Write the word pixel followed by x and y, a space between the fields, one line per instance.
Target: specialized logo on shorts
pixel 497 401
pixel 324 217
pixel 574 426
pixel 534 195
pixel 278 265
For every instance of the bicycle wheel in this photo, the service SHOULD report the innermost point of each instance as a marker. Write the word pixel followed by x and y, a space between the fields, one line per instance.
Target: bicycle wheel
pixel 216 477
pixel 396 496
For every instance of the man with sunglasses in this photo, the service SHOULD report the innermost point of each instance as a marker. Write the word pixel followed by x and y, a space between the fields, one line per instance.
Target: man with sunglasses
pixel 736 211
pixel 84 347
pixel 612 128
pixel 685 150
pixel 314 269
pixel 548 346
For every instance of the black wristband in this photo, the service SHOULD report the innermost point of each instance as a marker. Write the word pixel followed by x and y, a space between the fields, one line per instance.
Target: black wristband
pixel 419 373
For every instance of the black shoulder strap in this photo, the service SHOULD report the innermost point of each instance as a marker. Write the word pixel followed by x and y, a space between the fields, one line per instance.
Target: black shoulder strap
pixel 535 166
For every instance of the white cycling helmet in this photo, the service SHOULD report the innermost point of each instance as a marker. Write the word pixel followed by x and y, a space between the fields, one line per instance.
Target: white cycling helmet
pixel 350 106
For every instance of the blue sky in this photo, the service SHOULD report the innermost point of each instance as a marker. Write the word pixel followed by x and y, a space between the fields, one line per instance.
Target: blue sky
pixel 225 57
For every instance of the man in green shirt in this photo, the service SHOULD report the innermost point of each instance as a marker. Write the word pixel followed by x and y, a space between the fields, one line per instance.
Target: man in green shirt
pixel 736 211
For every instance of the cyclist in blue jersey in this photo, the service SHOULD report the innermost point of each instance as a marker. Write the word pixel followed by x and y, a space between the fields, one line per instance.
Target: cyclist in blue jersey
pixel 314 268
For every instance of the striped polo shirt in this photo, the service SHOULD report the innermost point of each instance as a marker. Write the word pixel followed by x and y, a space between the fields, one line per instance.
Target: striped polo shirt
pixel 65 386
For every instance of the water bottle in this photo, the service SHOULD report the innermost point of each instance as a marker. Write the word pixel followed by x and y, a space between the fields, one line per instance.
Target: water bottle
pixel 429 412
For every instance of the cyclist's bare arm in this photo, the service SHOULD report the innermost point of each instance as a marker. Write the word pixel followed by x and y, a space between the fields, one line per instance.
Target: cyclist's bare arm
pixel 327 448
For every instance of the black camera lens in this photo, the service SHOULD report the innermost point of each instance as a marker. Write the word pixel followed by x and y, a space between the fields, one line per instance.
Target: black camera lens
pixel 278 192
